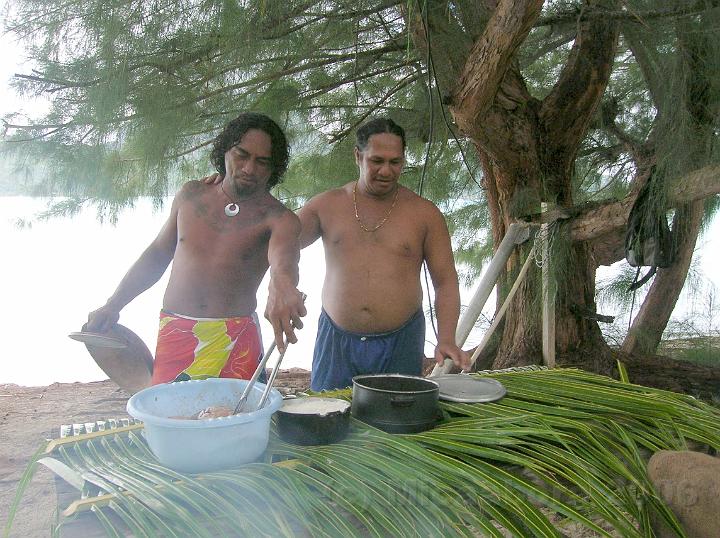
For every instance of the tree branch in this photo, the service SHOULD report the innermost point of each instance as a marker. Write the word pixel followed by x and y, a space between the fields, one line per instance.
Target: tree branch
pixel 60 84
pixel 567 111
pixel 190 150
pixel 400 85
pixel 612 217
pixel 361 13
pixel 572 16
pixel 297 68
pixel 489 59
pixel 356 77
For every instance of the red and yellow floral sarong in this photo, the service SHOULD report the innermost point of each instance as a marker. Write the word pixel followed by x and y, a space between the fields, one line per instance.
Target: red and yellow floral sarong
pixel 198 348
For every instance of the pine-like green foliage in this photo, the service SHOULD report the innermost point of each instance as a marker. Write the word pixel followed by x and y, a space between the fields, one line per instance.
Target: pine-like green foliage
pixel 139 89
pixel 663 99
pixel 137 86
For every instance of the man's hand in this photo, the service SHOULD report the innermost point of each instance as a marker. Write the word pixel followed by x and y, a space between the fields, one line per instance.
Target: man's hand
pixel 102 320
pixel 451 351
pixel 212 179
pixel 284 310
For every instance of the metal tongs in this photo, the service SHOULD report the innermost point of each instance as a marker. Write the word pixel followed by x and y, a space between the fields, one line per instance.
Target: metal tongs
pixel 261 367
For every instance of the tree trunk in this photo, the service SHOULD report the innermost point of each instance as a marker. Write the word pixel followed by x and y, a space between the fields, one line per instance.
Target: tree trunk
pixel 669 374
pixel 521 342
pixel 529 151
pixel 647 328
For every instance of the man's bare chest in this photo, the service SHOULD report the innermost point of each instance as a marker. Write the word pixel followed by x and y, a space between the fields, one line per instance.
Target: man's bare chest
pixel 244 235
pixel 394 240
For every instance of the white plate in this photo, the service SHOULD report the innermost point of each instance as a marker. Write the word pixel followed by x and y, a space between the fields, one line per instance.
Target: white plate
pixel 469 389
pixel 98 340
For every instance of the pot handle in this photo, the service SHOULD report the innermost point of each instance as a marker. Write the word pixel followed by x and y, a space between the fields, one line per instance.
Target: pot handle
pixel 402 401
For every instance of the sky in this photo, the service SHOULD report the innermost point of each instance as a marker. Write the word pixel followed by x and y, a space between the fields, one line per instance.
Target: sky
pixel 12 61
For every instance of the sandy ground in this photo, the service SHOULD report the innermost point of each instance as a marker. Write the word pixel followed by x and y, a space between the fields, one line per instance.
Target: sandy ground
pixel 28 415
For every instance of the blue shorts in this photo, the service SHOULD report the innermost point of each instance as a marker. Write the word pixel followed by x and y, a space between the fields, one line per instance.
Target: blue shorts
pixel 339 355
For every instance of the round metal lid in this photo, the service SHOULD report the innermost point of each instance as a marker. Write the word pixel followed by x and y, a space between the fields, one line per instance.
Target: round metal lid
pixel 98 340
pixel 469 389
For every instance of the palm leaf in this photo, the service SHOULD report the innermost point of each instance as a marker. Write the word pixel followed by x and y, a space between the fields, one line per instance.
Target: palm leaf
pixel 561 442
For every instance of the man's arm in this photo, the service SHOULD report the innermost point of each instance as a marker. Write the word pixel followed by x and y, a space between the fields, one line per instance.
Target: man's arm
pixel 310 221
pixel 441 264
pixel 145 272
pixel 285 304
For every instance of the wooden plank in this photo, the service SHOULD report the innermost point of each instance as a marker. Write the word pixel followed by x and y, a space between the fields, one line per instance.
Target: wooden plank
pixel 80 524
pixel 548 296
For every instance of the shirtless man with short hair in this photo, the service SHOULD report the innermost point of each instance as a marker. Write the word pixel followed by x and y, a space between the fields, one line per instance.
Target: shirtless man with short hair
pixel 376 235
pixel 222 238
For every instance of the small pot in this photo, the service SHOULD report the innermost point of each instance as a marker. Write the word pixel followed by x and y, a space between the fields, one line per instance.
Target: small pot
pixel 395 403
pixel 312 420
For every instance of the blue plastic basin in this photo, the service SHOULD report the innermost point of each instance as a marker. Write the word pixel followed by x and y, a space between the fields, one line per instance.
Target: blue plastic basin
pixel 194 446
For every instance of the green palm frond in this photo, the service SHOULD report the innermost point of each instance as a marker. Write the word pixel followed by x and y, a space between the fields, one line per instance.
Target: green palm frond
pixel 562 444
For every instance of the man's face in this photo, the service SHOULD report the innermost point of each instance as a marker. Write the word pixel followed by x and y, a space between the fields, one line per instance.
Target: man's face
pixel 381 163
pixel 248 164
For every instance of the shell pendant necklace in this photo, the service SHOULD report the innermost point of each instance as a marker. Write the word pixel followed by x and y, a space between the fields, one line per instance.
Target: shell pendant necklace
pixel 233 208
pixel 383 220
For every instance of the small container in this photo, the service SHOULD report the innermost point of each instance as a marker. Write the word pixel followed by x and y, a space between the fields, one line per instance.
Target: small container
pixel 194 446
pixel 312 420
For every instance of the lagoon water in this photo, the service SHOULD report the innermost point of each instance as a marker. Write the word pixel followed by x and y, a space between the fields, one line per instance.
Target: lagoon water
pixel 54 272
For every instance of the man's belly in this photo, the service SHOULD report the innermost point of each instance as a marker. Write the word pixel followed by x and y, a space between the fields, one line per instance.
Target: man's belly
pixel 375 309
pixel 208 299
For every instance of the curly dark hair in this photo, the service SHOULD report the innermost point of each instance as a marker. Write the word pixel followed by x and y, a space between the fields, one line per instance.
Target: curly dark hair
pixel 236 129
pixel 377 126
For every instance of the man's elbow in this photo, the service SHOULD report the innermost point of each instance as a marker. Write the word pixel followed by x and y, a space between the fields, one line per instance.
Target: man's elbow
pixel 449 288
pixel 160 255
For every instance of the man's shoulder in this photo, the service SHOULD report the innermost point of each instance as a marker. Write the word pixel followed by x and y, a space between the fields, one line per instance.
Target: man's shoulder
pixel 421 201
pixel 190 191
pixel 342 190
pixel 193 187
pixel 332 195
pixel 425 210
pixel 275 206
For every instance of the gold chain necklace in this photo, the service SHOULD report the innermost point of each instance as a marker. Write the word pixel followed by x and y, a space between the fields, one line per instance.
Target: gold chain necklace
pixel 384 219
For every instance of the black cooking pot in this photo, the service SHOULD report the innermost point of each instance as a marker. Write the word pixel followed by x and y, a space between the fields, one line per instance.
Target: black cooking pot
pixel 313 421
pixel 395 403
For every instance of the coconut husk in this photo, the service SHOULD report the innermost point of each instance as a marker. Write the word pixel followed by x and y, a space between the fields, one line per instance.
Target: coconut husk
pixel 689 483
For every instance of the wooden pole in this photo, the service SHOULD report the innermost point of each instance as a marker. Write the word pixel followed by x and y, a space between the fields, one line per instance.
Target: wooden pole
pixel 548 296
pixel 517 233
pixel 504 307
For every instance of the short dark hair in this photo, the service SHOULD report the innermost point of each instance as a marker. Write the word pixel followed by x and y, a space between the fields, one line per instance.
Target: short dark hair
pixel 234 131
pixel 377 126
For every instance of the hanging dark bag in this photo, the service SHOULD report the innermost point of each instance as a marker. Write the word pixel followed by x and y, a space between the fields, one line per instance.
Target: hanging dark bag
pixel 648 240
